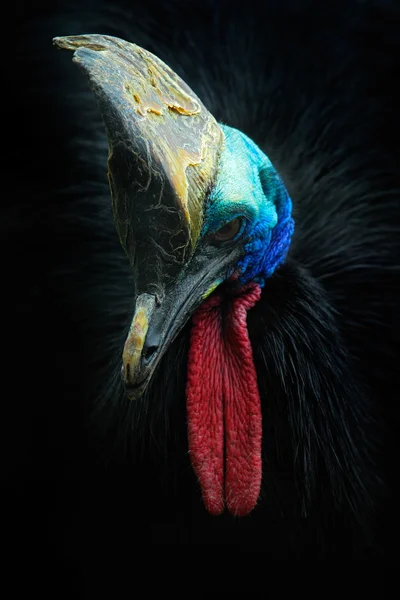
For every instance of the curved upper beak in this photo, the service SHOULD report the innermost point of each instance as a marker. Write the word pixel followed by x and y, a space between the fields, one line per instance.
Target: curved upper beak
pixel 157 322
pixel 134 353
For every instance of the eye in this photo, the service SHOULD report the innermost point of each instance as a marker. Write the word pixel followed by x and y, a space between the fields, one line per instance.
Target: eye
pixel 228 231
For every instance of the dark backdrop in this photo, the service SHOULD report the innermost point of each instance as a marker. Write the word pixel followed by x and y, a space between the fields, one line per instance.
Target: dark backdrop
pixel 51 447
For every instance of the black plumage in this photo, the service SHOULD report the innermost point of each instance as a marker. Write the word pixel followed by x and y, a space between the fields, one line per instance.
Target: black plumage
pixel 314 86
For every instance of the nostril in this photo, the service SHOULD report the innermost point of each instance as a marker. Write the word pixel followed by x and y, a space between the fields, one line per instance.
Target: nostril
pixel 148 353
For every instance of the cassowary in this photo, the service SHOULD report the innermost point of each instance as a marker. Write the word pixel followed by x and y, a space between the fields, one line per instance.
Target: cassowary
pixel 196 205
pixel 239 356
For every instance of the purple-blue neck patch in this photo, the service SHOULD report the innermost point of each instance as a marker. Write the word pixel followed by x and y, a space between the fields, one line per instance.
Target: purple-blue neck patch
pixel 248 186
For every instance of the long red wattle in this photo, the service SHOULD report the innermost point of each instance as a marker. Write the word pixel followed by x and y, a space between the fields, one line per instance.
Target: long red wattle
pixel 223 404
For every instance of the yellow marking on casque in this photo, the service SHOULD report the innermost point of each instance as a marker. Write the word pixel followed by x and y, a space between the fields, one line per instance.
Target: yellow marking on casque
pixel 184 139
pixel 181 131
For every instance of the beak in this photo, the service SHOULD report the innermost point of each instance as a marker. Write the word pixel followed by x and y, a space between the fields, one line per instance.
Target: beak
pixel 134 354
pixel 156 323
pixel 164 150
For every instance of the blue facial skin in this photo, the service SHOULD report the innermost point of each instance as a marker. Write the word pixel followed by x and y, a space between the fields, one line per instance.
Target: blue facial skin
pixel 249 187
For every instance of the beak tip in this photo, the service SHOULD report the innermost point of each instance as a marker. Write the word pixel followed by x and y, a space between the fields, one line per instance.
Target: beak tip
pixel 132 392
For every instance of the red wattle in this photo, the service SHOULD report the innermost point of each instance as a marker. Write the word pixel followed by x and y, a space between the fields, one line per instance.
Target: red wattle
pixel 223 404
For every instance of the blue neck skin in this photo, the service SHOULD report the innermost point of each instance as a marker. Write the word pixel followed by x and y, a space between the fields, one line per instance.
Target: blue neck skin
pixel 249 186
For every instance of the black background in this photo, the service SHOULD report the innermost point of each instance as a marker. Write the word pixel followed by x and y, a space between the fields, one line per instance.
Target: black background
pixel 46 347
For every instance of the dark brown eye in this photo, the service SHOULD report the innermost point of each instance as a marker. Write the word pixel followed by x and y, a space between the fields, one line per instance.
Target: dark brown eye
pixel 228 231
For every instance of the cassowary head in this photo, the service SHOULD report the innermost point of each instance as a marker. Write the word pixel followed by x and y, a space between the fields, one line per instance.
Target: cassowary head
pixel 197 206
